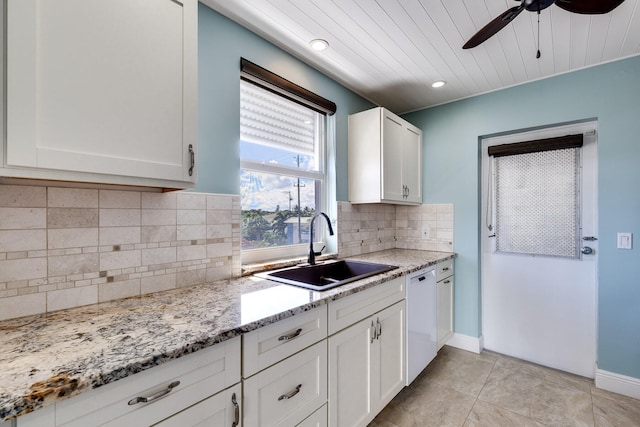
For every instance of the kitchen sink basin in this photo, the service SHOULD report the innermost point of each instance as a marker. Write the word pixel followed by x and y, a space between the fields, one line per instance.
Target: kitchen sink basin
pixel 327 275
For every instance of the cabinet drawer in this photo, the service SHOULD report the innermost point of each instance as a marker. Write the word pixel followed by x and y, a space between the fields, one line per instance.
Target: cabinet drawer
pixel 317 419
pixel 201 374
pixel 349 310
pixel 444 269
pixel 222 409
pixel 288 392
pixel 266 346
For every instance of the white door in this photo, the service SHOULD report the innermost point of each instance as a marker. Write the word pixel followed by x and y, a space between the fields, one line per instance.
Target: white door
pixel 411 164
pixel 83 81
pixel 389 360
pixel 350 369
pixel 543 308
pixel 393 135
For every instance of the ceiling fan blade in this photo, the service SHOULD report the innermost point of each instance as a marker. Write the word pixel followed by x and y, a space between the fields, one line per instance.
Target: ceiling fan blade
pixel 589 7
pixel 493 27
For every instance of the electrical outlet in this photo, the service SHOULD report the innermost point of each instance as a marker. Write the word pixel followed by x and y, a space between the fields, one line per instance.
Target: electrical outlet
pixel 426 233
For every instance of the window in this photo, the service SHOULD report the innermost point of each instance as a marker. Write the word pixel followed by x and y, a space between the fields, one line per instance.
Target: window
pixel 282 176
pixel 537 200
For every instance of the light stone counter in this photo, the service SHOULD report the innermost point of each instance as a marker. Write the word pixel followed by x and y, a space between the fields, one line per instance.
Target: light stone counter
pixel 52 356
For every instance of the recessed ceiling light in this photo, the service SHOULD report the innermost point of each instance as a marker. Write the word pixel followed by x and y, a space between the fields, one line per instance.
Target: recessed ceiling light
pixel 438 83
pixel 319 44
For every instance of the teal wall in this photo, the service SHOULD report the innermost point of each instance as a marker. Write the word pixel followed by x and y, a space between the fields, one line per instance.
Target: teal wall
pixel 221 45
pixel 610 93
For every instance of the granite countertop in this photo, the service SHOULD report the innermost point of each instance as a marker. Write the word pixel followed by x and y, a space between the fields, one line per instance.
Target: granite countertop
pixel 52 356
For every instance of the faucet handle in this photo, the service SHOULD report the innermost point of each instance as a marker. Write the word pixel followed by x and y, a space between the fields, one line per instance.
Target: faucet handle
pixel 320 251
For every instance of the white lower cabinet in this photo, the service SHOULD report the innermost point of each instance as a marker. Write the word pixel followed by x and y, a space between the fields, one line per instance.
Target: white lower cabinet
pixel 389 355
pixel 366 367
pixel 289 391
pixel 222 409
pixel 444 292
pixel 293 375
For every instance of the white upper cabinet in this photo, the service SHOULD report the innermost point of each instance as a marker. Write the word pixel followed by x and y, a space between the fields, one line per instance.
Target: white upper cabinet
pixel 385 159
pixel 102 91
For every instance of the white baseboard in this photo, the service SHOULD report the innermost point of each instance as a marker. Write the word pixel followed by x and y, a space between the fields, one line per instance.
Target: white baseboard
pixel 621 384
pixel 466 342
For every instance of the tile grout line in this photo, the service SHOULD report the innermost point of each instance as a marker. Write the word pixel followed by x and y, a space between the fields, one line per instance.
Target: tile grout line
pixel 480 392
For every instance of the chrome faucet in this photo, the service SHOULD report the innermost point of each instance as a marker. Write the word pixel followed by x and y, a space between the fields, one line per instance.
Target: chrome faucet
pixel 312 254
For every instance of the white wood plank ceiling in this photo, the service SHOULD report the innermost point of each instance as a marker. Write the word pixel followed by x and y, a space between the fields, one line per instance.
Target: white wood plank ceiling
pixel 390 51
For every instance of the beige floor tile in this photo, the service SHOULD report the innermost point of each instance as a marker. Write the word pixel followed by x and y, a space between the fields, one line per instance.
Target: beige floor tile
pixel 510 392
pixel 559 377
pixel 484 414
pixel 460 370
pixel 613 410
pixel 536 398
pixel 426 405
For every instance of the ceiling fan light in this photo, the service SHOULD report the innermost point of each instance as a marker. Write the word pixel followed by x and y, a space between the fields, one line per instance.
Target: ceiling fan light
pixel 319 44
pixel 438 83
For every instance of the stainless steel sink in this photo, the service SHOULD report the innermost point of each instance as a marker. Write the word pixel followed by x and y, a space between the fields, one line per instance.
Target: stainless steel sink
pixel 328 275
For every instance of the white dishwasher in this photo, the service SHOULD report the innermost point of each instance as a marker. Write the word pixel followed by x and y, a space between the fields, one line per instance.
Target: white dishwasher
pixel 422 321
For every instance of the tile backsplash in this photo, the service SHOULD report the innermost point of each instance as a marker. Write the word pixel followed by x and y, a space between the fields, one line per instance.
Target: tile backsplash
pixel 374 227
pixel 68 247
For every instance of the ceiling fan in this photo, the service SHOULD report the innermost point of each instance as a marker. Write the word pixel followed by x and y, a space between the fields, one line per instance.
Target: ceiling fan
pixel 588 7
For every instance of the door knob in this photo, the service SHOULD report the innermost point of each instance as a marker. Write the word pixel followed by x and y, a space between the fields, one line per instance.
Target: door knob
pixel 587 250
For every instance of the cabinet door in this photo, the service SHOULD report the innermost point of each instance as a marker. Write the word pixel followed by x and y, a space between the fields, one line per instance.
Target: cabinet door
pixel 412 164
pixel 350 375
pixel 388 356
pixel 445 310
pixel 222 409
pixel 106 87
pixel 393 135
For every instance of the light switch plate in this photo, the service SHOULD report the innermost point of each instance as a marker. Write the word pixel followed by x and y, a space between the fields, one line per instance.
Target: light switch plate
pixel 625 240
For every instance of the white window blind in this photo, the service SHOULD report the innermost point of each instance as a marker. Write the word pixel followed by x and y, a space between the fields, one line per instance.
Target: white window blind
pixel 537 203
pixel 269 119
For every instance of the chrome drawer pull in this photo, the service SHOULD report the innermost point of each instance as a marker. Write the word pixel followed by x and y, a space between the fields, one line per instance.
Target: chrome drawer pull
pixel 236 409
pixel 447 281
pixel 292 335
pixel 445 268
pixel 379 329
pixel 291 393
pixel 193 159
pixel 154 396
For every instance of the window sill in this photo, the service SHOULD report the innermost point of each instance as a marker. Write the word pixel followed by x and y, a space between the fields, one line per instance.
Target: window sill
pixel 250 269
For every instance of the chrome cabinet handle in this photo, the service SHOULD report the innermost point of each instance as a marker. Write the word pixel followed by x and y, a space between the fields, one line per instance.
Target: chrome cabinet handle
pixel 236 409
pixel 291 393
pixel 379 330
pixel 405 191
pixel 445 268
pixel 447 281
pixel 292 335
pixel 374 334
pixel 158 395
pixel 193 159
